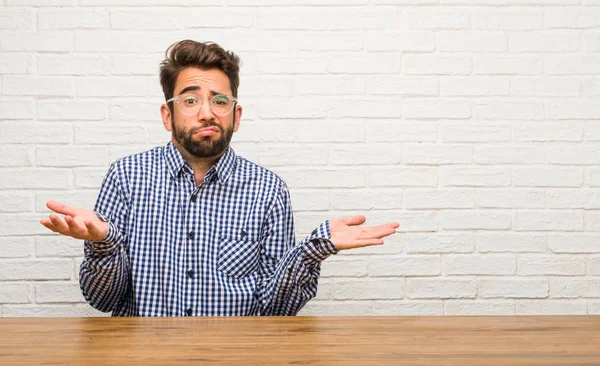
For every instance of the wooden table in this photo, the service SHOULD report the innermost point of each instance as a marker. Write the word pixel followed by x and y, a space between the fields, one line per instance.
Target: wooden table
pixel 515 340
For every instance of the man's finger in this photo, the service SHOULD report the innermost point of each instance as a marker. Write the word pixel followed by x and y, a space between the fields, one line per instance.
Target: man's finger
pixel 93 230
pixel 74 227
pixel 60 208
pixel 353 220
pixel 377 232
pixel 59 225
pixel 48 224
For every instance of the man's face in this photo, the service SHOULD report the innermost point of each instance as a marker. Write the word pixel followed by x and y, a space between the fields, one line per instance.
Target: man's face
pixel 190 131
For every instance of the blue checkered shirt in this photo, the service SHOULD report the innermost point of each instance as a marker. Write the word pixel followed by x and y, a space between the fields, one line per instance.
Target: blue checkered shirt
pixel 225 247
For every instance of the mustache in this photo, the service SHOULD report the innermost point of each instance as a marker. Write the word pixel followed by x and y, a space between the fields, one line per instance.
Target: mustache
pixel 209 124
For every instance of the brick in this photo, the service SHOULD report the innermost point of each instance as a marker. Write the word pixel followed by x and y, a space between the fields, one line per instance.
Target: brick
pixel 402 177
pixel 594 307
pixel 544 41
pixel 120 41
pixel 321 41
pixel 546 307
pixel 366 199
pixel 474 177
pixel 593 265
pixel 474 220
pixel 115 86
pixel 508 65
pixel 89 177
pixel 547 177
pixel 574 288
pixel 581 109
pixel 17 19
pixel 439 243
pixel 434 19
pixel 594 177
pixel 328 18
pixel 398 131
pixel 36 133
pixel 55 269
pixel 402 85
pixel 590 87
pixel 508 110
pixel 54 310
pixel 512 288
pixel 344 268
pixel 146 64
pixel 131 109
pixel 16 156
pixel 548 220
pixel 16 247
pixel 581 243
pixel 84 199
pixel 436 109
pixel 585 64
pixel 276 108
pixel 421 288
pixel 368 108
pixel 363 64
pixel 474 133
pixel 438 198
pixel 409 266
pixel 591 41
pixel 271 132
pixel 592 220
pixel 103 134
pixel 292 65
pixel 58 246
pixel 64 18
pixel 292 155
pixel 472 41
pixel 50 41
pixel 50 292
pixel 552 87
pixel 480 86
pixel 572 18
pixel 69 109
pixel 253 41
pixel 312 85
pixel 509 154
pixel 37 178
pixel 71 65
pixel 16 201
pixel 490 264
pixel 318 306
pixel 72 156
pixel 397 308
pixel 558 265
pixel 400 42
pixel 359 289
pixel 15 63
pixel 364 154
pixel 572 131
pixel 37 86
pixel 472 308
pixel 40 2
pixel 15 293
pixel 435 65
pixel 509 198
pixel 497 19
pixel 330 178
pixel 573 198
pixel 309 200
pixel 510 243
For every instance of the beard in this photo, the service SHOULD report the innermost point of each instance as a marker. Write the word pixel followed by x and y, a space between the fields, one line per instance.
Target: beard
pixel 205 146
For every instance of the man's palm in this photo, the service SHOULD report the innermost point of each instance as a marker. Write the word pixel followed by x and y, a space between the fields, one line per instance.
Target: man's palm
pixel 79 223
pixel 347 234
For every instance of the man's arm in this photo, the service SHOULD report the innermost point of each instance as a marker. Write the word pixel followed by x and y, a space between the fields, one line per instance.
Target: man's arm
pixel 289 273
pixel 104 273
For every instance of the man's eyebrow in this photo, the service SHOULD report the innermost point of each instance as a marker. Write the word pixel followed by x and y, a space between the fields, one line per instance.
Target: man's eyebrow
pixel 196 87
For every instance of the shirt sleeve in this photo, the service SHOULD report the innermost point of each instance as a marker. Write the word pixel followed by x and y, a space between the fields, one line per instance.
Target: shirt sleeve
pixel 104 272
pixel 289 272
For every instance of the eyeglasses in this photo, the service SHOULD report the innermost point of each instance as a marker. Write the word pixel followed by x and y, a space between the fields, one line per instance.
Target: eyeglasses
pixel 190 104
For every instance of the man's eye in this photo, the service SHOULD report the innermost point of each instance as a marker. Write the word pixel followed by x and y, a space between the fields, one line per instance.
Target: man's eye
pixel 190 101
pixel 220 101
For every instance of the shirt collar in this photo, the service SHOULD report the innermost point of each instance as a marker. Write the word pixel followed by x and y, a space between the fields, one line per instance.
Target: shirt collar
pixel 222 169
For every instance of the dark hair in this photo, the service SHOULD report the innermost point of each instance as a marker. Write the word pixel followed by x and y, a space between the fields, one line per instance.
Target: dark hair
pixel 205 56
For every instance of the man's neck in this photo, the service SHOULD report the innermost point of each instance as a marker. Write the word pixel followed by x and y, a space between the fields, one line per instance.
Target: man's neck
pixel 199 165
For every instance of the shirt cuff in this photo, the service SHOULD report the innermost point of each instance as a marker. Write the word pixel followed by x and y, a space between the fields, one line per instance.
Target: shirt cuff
pixel 317 246
pixel 111 241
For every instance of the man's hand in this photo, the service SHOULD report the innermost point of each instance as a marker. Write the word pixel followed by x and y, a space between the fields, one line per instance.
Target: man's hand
pixel 79 223
pixel 346 234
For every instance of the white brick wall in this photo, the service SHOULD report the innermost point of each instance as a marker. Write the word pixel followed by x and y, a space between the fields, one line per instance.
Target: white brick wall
pixel 473 123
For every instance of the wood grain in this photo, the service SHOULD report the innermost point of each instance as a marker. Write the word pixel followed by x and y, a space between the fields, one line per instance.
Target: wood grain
pixel 515 340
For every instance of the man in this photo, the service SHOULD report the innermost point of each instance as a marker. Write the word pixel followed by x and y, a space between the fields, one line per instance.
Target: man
pixel 191 228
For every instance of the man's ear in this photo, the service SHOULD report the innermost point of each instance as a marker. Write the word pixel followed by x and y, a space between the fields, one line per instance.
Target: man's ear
pixel 238 117
pixel 165 113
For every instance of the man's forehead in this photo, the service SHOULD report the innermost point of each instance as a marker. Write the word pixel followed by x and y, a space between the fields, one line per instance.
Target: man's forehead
pixel 205 80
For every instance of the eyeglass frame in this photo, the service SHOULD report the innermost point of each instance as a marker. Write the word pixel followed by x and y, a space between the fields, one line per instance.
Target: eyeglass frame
pixel 178 98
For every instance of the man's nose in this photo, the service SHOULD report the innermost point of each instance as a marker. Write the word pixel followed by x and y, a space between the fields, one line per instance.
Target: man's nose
pixel 205 113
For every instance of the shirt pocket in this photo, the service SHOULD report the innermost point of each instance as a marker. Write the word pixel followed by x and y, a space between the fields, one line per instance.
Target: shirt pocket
pixel 238 257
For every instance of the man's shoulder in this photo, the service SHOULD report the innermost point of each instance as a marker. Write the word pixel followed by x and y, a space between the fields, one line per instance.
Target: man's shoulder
pixel 139 160
pixel 249 169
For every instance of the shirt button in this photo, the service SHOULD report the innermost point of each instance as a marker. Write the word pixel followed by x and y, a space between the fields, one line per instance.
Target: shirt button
pixel 191 234
pixel 242 233
pixel 193 198
pixel 189 312
pixel 289 269
pixel 190 274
